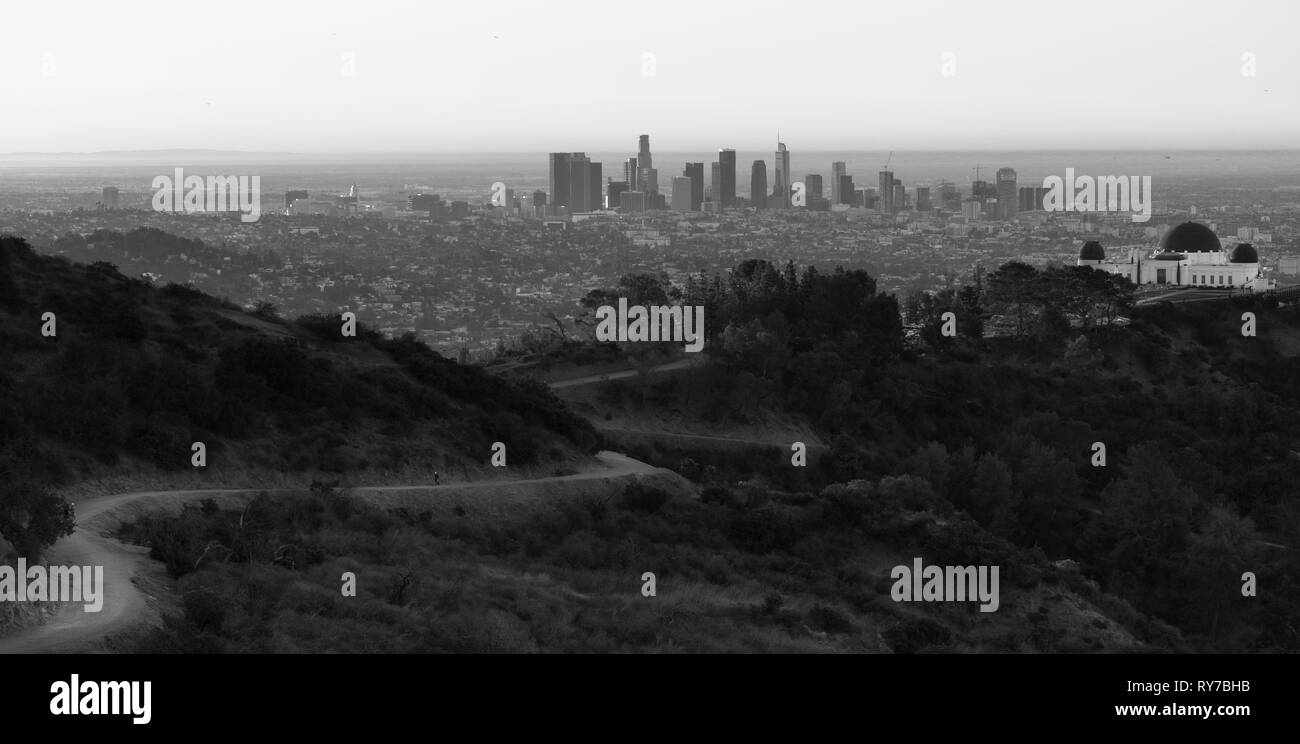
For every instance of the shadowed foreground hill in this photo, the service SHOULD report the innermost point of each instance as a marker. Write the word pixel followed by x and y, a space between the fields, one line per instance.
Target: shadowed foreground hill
pixel 135 374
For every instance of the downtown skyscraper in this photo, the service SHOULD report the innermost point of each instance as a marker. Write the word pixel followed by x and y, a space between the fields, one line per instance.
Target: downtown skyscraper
pixel 682 186
pixel 575 182
pixel 886 193
pixel 648 175
pixel 559 180
pixel 1008 194
pixel 813 184
pixel 631 174
pixel 579 183
pixel 781 179
pixel 838 170
pixel 846 189
pixel 643 156
pixel 695 172
pixel 594 190
pixel 758 185
pixel 727 185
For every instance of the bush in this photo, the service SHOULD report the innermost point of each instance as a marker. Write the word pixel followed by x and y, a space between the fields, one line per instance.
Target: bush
pixel 205 609
pixel 829 620
pixel 916 634
pixel 648 499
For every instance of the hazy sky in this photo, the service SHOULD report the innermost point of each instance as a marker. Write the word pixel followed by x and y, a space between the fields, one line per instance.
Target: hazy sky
pixel 539 75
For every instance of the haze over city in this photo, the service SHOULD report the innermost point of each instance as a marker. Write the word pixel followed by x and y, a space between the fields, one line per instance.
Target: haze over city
pixel 535 77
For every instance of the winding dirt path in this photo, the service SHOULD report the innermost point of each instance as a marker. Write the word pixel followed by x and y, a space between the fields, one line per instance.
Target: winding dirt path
pixel 125 604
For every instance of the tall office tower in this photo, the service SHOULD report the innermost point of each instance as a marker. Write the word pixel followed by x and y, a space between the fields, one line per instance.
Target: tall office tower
pixel 838 170
pixel 695 172
pixel 846 190
pixel 594 201
pixel 812 184
pixel 727 159
pixel 971 209
pixel 887 192
pixel 900 196
pixel 983 190
pixel 109 198
pixel 1025 200
pixel 633 201
pixel 579 183
pixel 1007 193
pixel 559 166
pixel 923 198
pixel 649 180
pixel 682 193
pixel 630 173
pixel 715 184
pixel 643 159
pixel 948 197
pixel 781 178
pixel 758 185
pixel 1041 192
pixel 579 188
pixel 616 190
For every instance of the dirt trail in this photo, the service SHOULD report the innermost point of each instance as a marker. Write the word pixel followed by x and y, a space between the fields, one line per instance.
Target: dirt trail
pixel 125 605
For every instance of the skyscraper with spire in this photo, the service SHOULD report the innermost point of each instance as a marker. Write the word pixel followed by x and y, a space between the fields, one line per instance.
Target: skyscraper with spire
pixel 781 179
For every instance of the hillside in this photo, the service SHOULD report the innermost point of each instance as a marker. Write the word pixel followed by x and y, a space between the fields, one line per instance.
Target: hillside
pixel 1200 425
pixel 136 374
pixel 966 451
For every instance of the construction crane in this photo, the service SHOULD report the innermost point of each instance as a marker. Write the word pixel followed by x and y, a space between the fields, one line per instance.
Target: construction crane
pixel 887 160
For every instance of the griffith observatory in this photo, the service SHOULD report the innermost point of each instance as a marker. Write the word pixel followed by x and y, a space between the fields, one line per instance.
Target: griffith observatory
pixel 1190 255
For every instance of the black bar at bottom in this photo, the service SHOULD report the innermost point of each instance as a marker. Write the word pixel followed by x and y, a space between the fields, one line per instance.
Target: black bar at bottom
pixel 439 695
